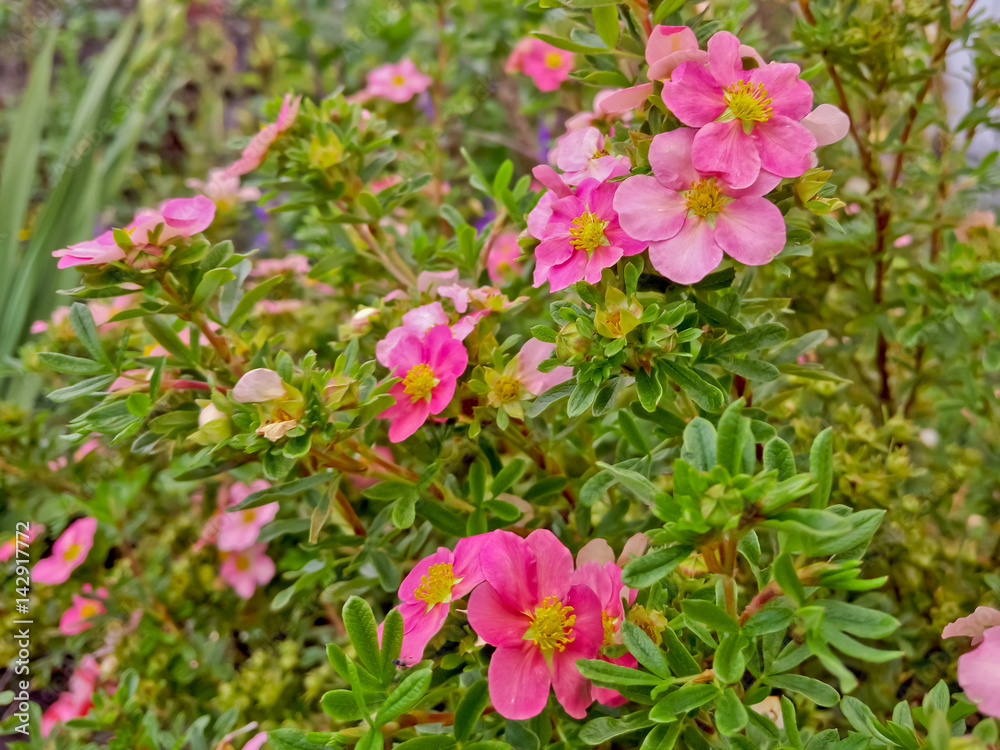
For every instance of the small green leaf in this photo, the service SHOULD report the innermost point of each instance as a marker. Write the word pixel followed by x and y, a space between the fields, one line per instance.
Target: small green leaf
pixel 363 632
pixel 404 697
pixel 821 466
pixel 470 709
pixel 644 650
pixel 679 702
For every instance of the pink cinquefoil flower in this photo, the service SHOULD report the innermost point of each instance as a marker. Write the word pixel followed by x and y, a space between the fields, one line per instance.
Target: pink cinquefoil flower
pixel 78 700
pixel 253 155
pixel 979 669
pixel 540 622
pixel 68 553
pixel 748 120
pixel 223 188
pixel 689 218
pixel 502 262
pixel 74 619
pixel 239 530
pixel 9 547
pixel 580 154
pixel 95 252
pixel 430 367
pixel 397 82
pixel 546 65
pixel 247 569
pixel 580 234
pixel 427 592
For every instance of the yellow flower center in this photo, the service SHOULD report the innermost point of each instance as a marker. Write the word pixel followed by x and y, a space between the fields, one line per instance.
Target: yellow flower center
pixel 551 626
pixel 419 382
pixel 507 388
pixel 609 629
pixel 72 552
pixel 88 610
pixel 242 562
pixel 553 60
pixel 249 516
pixel 704 197
pixel 587 232
pixel 749 103
pixel 435 587
pixel 398 80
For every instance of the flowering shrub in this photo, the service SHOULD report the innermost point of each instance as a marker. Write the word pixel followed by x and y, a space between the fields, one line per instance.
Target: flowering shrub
pixel 452 459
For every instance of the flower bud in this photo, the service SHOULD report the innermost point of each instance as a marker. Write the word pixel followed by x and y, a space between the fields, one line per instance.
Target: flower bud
pixel 571 345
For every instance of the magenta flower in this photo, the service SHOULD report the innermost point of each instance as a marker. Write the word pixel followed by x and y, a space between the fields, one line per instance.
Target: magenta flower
pixel 430 367
pixel 581 237
pixel 605 580
pixel 580 154
pixel 689 218
pixel 427 592
pixel 397 82
pixel 255 152
pixel 539 621
pixel 74 619
pixel 749 119
pixel 68 553
pixel 95 252
pixel 240 530
pixel 246 569
pixel 502 262
pixel 546 65
pixel 78 700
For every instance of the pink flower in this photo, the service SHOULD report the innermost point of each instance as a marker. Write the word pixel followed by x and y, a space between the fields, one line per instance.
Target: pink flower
pixel 827 123
pixel 973 626
pixel 397 82
pixel 536 382
pixel 749 120
pixel 74 619
pixel 979 673
pixel 246 569
pixel 78 700
pixel 296 263
pixel 580 154
pixel 8 548
pixel 418 321
pixel 180 217
pixel 68 553
pixel 239 530
pixel 260 384
pixel 430 367
pixel 689 218
pixel 95 252
pixel 539 621
pixel 253 155
pixel 667 47
pixel 581 237
pixel 256 742
pixel 427 592
pixel 502 262
pixel 546 65
pixel 586 119
pixel 223 188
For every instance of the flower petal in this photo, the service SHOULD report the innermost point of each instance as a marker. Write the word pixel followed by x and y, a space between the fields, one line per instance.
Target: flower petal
pixel 751 230
pixel 493 618
pixel 724 148
pixel 827 123
pixel 689 256
pixel 670 158
pixel 784 147
pixel 519 681
pixel 693 95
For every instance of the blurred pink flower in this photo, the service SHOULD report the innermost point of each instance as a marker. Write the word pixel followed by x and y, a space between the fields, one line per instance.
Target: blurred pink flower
pixel 533 353
pixel 68 552
pixel 239 530
pixel 78 700
pixel 9 547
pixel 546 65
pixel 255 152
pixel 296 263
pixel 223 188
pixel 973 626
pixel 502 262
pixel 246 569
pixel 95 252
pixel 74 619
pixel 974 220
pixel 580 154
pixel 396 82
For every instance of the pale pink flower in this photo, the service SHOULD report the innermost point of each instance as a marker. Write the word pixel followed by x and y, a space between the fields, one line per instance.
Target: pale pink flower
pixel 296 263
pixel 255 152
pixel 827 123
pixel 903 241
pixel 533 353
pixel 417 321
pixel 396 82
pixel 280 306
pixel 68 552
pixel 429 589
pixel 581 155
pixel 430 281
pixel 260 384
pixel 223 188
pixel 247 569
pixel 430 367
pixel 74 619
pixel 9 547
pixel 502 261
pixel 973 626
pixel 78 700
pixel 689 218
pixel 179 217
pixel 597 115
pixel 546 65
pixel 95 252
pixel 239 530
pixel 979 673
pixel 539 621
pixel 748 120
pixel 580 236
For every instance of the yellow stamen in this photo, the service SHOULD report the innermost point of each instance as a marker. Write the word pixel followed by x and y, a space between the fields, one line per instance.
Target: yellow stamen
pixel 553 60
pixel 242 562
pixel 249 516
pixel 551 626
pixel 587 232
pixel 609 629
pixel 507 388
pixel 419 382
pixel 398 80
pixel 88 610
pixel 436 586
pixel 704 197
pixel 72 552
pixel 749 102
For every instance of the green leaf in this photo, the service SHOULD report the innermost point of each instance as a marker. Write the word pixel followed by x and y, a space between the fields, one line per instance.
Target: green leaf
pixel 363 632
pixel 507 476
pixel 733 434
pixel 770 619
pixel 340 704
pixel 610 674
pixel 85 330
pixel 288 489
pixel 730 662
pixel 700 444
pixel 761 337
pixel 246 304
pixel 860 621
pixel 549 397
pixel 208 285
pixel 784 573
pixel 648 389
pixel 710 614
pixel 477 483
pixel 606 23
pixel 168 338
pixel 443 742
pixel 730 714
pixel 679 658
pixel 679 702
pixel 604 728
pixel 778 456
pixel 392 643
pixel 470 708
pixel 818 692
pixel 404 697
pixel 821 467
pixel 544 333
pixel 581 398
pixel 83 388
pixel 642 572
pixel 707 396
pixel 291 739
pixel 72 365
pixel 569 46
pixel 644 650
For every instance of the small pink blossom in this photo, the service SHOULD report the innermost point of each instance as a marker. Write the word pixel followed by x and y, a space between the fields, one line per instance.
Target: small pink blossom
pixel 9 547
pixel 255 152
pixel 78 700
pixel 95 252
pixel 690 218
pixel 418 321
pixel 979 673
pixel 429 589
pixel 295 263
pixel 597 115
pixel 179 217
pixel 247 569
pixel 74 619
pixel 536 382
pixel 502 261
pixel 430 281
pixel 580 237
pixel 973 626
pixel 239 530
pixel 396 82
pixel 260 384
pixel 581 154
pixel 539 621
pixel 223 188
pixel 68 552
pixel 430 367
pixel 546 65
pixel 748 120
